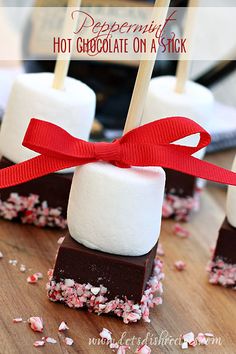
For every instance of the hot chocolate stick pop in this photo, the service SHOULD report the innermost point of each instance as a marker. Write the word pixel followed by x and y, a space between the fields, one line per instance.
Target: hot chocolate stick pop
pixel 168 96
pixel 223 266
pixel 114 216
pixel 55 98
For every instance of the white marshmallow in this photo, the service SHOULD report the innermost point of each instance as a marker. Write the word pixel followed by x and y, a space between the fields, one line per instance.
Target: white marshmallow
pixel 116 210
pixel 231 201
pixel 32 96
pixel 195 103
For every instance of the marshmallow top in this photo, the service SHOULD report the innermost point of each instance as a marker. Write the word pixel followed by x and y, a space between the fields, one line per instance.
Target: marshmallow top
pixel 32 96
pixel 195 103
pixel 116 210
pixel 231 201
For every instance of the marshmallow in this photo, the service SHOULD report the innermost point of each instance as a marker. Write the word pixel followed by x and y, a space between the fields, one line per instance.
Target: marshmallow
pixel 116 210
pixel 195 103
pixel 231 201
pixel 32 96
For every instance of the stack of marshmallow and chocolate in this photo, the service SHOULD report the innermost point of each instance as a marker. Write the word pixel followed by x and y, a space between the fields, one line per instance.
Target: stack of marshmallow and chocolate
pixel 42 202
pixel 182 191
pixel 223 266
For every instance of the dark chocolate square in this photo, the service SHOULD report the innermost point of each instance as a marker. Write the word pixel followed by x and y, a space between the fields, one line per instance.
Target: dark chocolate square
pixel 123 276
pixel 53 188
pixel 180 184
pixel 226 243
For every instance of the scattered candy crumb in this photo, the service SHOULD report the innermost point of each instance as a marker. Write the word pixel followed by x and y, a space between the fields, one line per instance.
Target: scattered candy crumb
pixel 122 349
pixel 68 341
pixel 63 327
pixel 1 255
pixel 160 250
pixel 32 279
pixel 190 340
pixel 114 345
pixel 106 334
pixel 180 265
pixel 13 262
pixel 143 349
pixel 50 340
pixel 17 320
pixel 22 268
pixel 36 324
pixel 180 231
pixel 39 343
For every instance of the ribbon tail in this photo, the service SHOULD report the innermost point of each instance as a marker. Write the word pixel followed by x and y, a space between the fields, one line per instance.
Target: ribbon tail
pixel 34 168
pixel 199 168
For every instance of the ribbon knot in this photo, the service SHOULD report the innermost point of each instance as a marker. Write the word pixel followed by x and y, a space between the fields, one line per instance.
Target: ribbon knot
pixel 108 152
pixel 149 145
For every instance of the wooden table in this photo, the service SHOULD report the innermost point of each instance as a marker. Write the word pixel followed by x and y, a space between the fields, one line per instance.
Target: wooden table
pixel 190 302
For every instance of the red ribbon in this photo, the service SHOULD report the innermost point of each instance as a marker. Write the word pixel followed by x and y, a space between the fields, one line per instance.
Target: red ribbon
pixel 148 145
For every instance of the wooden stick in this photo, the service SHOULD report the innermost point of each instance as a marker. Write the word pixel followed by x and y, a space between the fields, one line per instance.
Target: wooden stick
pixel 63 59
pixel 144 74
pixel 183 67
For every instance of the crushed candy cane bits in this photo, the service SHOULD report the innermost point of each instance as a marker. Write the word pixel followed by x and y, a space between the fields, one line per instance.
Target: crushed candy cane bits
pixel 68 341
pixel 180 208
pixel 39 343
pixel 1 255
pixel 76 295
pixel 106 334
pixel 180 265
pixel 180 231
pixel 122 349
pixel 63 327
pixel 222 273
pixel 30 210
pixel 17 320
pixel 36 324
pixel 143 349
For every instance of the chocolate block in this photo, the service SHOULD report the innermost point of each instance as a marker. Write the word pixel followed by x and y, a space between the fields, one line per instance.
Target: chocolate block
pixel 123 276
pixel 180 184
pixel 226 244
pixel 53 188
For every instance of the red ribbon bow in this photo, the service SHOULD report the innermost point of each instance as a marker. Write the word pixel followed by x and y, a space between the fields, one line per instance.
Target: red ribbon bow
pixel 148 145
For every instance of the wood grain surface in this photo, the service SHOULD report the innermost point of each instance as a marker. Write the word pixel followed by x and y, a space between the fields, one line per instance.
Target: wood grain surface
pixel 190 302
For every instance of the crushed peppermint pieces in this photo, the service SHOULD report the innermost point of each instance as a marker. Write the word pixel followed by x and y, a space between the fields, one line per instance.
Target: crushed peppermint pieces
pixel 106 334
pixel 36 324
pixel 63 327
pixel 17 320
pixel 160 250
pixel 30 210
pixel 68 341
pixel 1 255
pixel 22 268
pixel 13 262
pixel 76 295
pixel 180 265
pixel 39 343
pixel 222 273
pixel 143 349
pixel 50 340
pixel 122 349
pixel 180 231
pixel 32 279
pixel 180 208
pixel 189 339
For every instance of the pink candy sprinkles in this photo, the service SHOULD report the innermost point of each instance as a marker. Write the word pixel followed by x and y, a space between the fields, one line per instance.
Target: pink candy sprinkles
pixel 77 295
pixel 222 273
pixel 29 210
pixel 179 208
